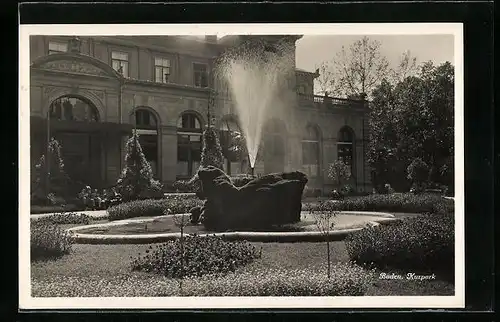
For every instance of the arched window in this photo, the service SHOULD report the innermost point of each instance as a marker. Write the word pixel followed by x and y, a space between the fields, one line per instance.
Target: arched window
pixel 72 108
pixel 188 145
pixel 231 139
pixel 146 125
pixel 345 147
pixel 311 152
pixel 274 146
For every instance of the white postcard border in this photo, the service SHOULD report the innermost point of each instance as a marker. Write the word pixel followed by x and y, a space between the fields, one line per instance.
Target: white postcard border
pixel 28 302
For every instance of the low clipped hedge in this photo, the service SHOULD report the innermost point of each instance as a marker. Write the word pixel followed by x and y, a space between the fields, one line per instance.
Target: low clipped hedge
pixel 421 243
pixel 65 218
pixel 48 241
pixel 406 203
pixel 170 204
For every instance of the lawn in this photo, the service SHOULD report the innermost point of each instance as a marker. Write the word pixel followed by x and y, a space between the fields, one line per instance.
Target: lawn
pixel 103 270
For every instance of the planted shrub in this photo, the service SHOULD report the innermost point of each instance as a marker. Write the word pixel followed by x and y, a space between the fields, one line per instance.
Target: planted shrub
pixel 136 180
pixel 422 243
pixel 346 280
pixel 48 241
pixel 65 218
pixel 174 204
pixel 339 173
pixel 202 255
pixel 58 180
pixel 408 202
pixel 183 186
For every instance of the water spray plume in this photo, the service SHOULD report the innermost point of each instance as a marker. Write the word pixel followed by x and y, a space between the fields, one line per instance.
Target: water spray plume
pixel 255 72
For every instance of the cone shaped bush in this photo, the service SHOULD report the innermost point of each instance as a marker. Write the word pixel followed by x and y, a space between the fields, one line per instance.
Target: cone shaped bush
pixel 58 180
pixel 211 154
pixel 136 180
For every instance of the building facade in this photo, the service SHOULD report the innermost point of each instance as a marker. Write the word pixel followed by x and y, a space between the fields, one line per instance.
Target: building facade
pixel 91 93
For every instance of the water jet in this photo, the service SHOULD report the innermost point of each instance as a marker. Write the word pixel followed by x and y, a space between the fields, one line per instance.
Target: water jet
pixel 255 72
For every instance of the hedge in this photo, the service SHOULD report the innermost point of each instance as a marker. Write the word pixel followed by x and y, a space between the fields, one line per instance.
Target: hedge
pixel 421 243
pixel 170 204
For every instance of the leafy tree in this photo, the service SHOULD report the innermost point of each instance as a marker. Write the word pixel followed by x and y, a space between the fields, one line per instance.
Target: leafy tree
pixel 51 185
pixel 418 173
pixel 407 66
pixel 359 69
pixel 413 119
pixel 339 173
pixel 136 180
pixel 356 70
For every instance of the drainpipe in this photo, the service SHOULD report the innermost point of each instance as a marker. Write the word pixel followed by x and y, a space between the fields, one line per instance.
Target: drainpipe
pixel 120 97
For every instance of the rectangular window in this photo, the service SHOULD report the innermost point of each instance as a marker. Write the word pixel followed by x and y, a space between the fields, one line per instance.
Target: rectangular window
pixel 200 75
pixel 119 62
pixel 57 47
pixel 162 70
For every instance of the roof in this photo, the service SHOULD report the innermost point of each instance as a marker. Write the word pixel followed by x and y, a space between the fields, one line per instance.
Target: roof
pixel 300 70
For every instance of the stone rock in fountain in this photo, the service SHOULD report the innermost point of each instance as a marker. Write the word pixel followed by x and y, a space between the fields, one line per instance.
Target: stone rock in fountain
pixel 273 199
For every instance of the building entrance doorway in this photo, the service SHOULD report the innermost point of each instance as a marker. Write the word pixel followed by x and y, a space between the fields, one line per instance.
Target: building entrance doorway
pixel 70 119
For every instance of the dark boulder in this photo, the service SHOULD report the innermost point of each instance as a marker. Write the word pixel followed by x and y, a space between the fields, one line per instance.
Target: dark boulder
pixel 273 199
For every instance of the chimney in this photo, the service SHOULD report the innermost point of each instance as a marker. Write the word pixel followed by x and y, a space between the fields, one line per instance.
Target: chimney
pixel 74 45
pixel 211 39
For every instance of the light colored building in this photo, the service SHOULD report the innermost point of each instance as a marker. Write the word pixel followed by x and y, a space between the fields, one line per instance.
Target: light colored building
pixel 91 92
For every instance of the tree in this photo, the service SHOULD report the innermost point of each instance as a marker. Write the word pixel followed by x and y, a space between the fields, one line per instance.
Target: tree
pixel 406 67
pixel 413 119
pixel 50 183
pixel 326 78
pixel 356 70
pixel 418 173
pixel 324 215
pixel 339 173
pixel 136 180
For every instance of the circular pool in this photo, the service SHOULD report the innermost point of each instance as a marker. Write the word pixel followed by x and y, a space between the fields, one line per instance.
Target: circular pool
pixel 162 228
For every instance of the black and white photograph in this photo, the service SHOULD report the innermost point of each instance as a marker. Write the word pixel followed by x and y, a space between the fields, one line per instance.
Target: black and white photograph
pixel 241 166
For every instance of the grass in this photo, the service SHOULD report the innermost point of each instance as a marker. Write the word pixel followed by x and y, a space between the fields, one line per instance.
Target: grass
pixel 103 270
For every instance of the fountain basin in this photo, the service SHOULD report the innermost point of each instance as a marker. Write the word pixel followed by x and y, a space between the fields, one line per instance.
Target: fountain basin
pixel 117 233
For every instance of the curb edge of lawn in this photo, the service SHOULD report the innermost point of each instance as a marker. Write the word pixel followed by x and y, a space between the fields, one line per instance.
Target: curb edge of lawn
pixel 285 237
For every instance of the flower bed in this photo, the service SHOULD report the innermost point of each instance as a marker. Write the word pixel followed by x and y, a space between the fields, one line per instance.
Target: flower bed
pixel 170 204
pixel 209 255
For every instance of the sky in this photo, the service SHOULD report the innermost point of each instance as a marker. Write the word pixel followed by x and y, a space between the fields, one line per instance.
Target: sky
pixel 313 50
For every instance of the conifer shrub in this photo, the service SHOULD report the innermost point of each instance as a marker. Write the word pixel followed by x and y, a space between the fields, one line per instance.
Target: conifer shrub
pixel 56 189
pixel 136 180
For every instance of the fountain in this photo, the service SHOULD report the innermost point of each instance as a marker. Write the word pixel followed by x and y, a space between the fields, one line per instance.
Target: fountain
pixel 255 72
